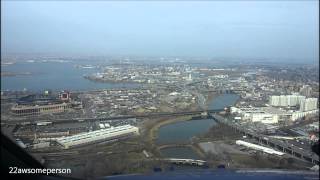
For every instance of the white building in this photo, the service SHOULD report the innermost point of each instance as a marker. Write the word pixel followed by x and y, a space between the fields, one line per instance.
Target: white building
pixel 107 134
pixel 266 118
pixel 190 77
pixel 292 100
pixel 299 114
pixel 269 115
pixel 274 100
pixel 286 100
pixel 306 90
pixel 309 104
pixel 283 100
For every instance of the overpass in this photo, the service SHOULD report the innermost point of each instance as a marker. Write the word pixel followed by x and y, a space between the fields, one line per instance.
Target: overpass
pixel 163 146
pixel 273 143
pixel 194 162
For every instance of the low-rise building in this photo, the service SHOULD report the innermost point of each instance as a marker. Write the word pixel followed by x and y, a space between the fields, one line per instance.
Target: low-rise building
pixel 269 115
pixel 107 134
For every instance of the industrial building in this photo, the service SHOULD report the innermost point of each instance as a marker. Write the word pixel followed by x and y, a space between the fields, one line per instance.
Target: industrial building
pixel 108 134
pixel 258 147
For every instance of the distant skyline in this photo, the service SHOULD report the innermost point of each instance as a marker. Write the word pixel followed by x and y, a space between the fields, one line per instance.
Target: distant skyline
pixel 235 29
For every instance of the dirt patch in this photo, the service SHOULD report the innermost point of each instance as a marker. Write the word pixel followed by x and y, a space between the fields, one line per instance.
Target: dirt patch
pixel 219 148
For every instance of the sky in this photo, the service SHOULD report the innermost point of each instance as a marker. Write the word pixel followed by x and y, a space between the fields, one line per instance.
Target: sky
pixel 235 29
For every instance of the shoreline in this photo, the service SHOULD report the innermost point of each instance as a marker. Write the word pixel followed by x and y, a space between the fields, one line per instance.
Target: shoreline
pixel 100 80
pixel 152 133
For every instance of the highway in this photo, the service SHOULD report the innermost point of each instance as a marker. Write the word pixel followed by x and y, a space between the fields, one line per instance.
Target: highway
pixel 273 143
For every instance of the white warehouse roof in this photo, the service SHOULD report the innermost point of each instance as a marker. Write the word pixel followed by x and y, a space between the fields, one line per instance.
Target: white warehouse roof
pixel 98 135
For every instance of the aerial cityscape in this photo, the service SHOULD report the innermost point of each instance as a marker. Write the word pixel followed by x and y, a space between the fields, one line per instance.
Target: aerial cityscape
pixel 107 115
pixel 165 110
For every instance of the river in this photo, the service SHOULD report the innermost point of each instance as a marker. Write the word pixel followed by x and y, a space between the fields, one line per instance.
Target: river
pixel 182 132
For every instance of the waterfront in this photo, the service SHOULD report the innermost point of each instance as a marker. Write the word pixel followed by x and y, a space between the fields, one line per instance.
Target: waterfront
pixel 120 90
pixel 54 76
pixel 223 101
pixel 183 131
pixel 179 152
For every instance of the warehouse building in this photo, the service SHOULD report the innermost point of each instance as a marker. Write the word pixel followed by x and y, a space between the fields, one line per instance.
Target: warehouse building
pixel 109 134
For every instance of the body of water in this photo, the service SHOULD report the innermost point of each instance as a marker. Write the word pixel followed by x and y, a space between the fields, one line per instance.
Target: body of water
pixel 179 152
pixel 182 132
pixel 223 101
pixel 53 76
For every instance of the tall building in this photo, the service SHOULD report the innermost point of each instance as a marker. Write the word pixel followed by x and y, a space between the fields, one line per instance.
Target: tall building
pixel 283 100
pixel 189 78
pixel 309 104
pixel 292 100
pixel 274 100
pixel 286 100
pixel 300 99
pixel 303 105
pixel 306 90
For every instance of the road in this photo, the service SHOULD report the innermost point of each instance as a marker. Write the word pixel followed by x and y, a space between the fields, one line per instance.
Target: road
pixel 150 115
pixel 273 143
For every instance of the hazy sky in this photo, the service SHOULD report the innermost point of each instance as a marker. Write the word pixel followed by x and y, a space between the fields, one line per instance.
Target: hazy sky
pixel 268 29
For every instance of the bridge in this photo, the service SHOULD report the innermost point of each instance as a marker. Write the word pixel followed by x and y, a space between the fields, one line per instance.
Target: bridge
pixel 273 143
pixel 185 161
pixel 163 146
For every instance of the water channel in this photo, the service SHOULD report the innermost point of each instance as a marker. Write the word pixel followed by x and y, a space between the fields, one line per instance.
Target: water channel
pixel 184 131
